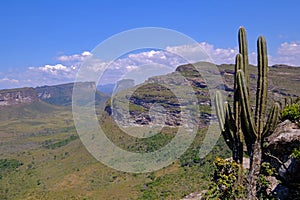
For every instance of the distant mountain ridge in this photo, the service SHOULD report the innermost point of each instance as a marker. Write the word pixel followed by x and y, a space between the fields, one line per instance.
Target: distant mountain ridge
pixel 17 96
pixel 59 95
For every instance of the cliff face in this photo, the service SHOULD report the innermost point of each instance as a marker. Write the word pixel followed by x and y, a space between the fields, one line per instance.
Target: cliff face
pixel 56 94
pixel 17 96
pixel 142 99
pixel 60 95
pixel 167 100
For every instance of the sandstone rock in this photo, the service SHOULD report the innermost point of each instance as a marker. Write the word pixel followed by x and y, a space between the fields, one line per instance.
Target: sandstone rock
pixel 282 142
pixel 195 196
pixel 17 96
pixel 279 147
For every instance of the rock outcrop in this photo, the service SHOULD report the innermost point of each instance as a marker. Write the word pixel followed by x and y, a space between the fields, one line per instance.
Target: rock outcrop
pixel 279 152
pixel 17 96
pixel 167 100
pixel 60 95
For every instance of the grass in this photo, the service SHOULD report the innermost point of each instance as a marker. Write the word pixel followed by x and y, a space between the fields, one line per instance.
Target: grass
pixel 66 170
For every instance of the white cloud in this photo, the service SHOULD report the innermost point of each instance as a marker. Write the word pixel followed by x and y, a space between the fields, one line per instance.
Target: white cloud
pixel 67 67
pixel 8 80
pixel 287 53
pixel 74 57
pixel 54 69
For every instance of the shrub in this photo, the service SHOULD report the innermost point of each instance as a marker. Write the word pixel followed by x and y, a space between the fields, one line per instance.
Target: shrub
pixel 224 184
pixel 296 153
pixel 9 164
pixel 291 112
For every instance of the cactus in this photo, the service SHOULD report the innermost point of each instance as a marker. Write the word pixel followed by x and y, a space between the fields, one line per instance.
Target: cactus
pixel 243 50
pixel 231 125
pixel 253 129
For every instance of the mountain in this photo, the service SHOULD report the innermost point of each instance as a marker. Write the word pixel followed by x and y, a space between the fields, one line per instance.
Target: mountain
pixel 42 157
pixel 106 88
pixel 17 96
pixel 187 82
pixel 59 95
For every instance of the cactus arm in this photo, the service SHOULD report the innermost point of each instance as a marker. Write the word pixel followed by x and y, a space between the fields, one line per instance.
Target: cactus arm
pixel 220 110
pixel 272 120
pixel 243 50
pixel 248 125
pixel 230 129
pixel 262 84
pixel 223 114
pixel 238 66
pixel 229 122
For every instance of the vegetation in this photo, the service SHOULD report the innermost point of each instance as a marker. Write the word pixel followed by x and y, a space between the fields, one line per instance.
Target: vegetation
pixel 225 186
pixel 50 145
pixel 8 165
pixel 255 129
pixel 41 156
pixel 296 153
pixel 291 112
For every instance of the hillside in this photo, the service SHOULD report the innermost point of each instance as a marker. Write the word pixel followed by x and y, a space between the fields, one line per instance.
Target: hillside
pixel 284 81
pixel 42 156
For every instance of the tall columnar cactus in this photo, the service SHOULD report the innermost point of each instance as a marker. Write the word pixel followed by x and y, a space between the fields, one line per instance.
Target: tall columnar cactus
pixel 230 124
pixel 254 129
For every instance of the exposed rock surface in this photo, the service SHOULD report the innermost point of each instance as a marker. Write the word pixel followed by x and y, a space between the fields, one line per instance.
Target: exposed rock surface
pixel 17 96
pixel 279 147
pixel 60 95
pixel 195 196
pixel 282 142
pixel 171 100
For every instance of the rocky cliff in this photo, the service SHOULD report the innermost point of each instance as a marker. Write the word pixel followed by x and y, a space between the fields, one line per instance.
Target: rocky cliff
pixel 170 100
pixel 142 99
pixel 17 96
pixel 60 95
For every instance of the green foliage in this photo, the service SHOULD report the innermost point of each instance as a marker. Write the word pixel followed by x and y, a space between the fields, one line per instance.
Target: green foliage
pixel 8 165
pixel 173 185
pixel 241 125
pixel 291 112
pixel 191 156
pixel 49 145
pixel 296 153
pixel 224 185
pixel 263 183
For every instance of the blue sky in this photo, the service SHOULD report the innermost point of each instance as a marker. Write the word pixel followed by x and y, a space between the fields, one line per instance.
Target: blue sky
pixel 37 33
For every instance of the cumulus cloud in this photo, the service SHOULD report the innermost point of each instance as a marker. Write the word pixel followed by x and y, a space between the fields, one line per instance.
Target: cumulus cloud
pixel 288 53
pixel 8 80
pixel 67 66
pixel 206 52
pixel 53 69
pixel 74 57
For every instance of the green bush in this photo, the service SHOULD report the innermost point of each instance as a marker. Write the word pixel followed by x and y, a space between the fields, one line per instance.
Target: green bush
pixel 224 184
pixel 7 165
pixel 296 153
pixel 49 145
pixel 291 112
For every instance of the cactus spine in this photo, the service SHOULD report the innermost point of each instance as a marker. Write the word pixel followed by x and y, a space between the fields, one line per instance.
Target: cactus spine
pixel 243 123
